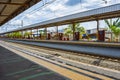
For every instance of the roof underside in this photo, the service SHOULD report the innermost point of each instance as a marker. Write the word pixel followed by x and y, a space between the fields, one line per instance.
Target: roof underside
pixel 11 8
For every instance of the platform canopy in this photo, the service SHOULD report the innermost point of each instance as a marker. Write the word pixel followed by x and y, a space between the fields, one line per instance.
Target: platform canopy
pixel 11 8
pixel 107 12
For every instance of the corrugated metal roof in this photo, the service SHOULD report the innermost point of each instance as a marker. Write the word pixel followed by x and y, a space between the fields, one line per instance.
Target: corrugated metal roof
pixel 11 8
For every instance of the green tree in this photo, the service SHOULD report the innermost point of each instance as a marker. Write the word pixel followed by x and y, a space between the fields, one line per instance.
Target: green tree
pixel 114 26
pixel 27 34
pixel 42 32
pixel 18 34
pixel 78 28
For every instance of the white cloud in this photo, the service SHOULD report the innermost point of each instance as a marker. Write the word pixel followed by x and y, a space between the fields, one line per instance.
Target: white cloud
pixel 58 9
pixel 30 16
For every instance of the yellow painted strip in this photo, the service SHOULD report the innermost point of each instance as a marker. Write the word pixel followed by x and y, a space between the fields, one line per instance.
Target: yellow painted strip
pixel 90 73
pixel 65 72
pixel 80 70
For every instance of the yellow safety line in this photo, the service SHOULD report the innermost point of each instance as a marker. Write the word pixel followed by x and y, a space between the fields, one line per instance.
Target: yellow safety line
pixel 90 73
pixel 65 72
pixel 87 72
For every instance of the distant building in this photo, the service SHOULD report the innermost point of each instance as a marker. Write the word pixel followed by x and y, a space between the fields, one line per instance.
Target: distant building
pixel 108 34
pixel 93 31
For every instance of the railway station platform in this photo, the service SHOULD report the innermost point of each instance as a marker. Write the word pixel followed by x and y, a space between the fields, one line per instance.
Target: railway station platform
pixel 90 43
pixel 19 65
pixel 15 67
pixel 111 50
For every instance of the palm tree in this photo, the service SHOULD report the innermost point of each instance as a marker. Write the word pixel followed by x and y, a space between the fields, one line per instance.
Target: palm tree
pixel 42 34
pixel 69 30
pixel 114 26
pixel 81 29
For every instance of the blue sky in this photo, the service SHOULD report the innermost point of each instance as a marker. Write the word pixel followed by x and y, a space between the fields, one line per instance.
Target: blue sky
pixel 57 8
pixel 72 2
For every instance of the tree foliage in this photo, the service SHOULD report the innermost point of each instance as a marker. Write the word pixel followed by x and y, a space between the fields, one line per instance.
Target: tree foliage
pixel 114 26
pixel 15 35
pixel 78 28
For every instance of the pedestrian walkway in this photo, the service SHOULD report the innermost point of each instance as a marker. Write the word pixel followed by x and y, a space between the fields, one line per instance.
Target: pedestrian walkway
pixel 111 52
pixel 70 72
pixel 14 67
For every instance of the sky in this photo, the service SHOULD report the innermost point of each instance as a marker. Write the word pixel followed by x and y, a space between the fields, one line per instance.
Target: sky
pixel 49 9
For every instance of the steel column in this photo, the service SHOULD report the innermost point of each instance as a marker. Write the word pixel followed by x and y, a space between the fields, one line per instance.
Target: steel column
pixel 22 34
pixel 97 28
pixel 97 25
pixel 73 31
pixel 37 33
pixel 57 31
pixel 31 34
pixel 46 33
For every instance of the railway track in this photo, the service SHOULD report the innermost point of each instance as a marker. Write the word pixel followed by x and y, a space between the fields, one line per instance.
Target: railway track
pixel 104 52
pixel 52 54
pixel 102 61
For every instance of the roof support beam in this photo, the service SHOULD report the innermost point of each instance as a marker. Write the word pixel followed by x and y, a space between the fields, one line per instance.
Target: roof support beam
pixel 4 15
pixel 23 7
pixel 11 3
